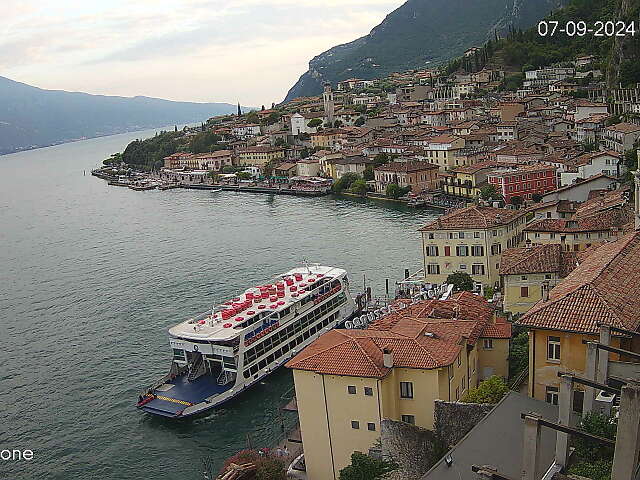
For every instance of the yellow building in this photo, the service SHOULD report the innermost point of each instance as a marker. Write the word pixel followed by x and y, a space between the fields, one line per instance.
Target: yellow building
pixel 467 181
pixel 327 138
pixel 347 381
pixel 526 272
pixel 441 150
pixel 604 218
pixel 470 240
pixel 259 156
pixel 603 289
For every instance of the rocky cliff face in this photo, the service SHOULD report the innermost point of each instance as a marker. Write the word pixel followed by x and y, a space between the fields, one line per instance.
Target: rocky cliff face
pixel 418 34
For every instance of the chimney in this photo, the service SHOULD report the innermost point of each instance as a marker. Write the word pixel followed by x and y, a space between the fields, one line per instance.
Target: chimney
pixel 563 242
pixel 545 291
pixel 387 357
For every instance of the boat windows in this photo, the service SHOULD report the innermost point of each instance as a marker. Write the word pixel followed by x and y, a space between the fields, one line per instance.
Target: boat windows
pixel 178 354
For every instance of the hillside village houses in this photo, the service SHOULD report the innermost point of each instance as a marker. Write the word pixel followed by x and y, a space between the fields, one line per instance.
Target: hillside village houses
pixel 562 265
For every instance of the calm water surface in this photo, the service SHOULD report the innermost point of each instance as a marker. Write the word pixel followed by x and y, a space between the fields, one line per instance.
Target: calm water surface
pixel 92 276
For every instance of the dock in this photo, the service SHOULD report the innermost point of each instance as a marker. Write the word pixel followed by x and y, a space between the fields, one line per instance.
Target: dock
pixel 268 190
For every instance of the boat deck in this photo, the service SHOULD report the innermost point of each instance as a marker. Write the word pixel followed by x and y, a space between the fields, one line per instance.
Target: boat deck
pixel 178 394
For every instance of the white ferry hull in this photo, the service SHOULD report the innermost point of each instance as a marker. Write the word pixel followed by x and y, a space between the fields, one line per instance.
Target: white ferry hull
pixel 296 323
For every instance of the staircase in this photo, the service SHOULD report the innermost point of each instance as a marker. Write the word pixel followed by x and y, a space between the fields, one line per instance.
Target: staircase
pixel 226 377
pixel 197 368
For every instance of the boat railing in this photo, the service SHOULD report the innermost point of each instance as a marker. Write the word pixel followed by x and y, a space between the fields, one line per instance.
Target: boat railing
pixel 272 315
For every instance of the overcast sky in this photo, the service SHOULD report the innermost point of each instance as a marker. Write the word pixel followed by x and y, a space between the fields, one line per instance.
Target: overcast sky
pixel 250 51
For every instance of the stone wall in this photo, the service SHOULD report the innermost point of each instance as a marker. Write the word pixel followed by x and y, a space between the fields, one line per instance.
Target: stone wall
pixel 453 420
pixel 416 449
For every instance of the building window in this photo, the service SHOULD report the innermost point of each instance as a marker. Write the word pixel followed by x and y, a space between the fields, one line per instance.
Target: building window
pixel 552 395
pixel 368 391
pixel 432 251
pixel 462 251
pixel 476 234
pixel 487 344
pixel 457 393
pixel 409 419
pixel 547 276
pixel 351 389
pixel 447 251
pixel 496 249
pixel 460 234
pixel 477 269
pixel 433 269
pixel 371 427
pixel 477 250
pixel 431 236
pixel 553 348
pixel 524 292
pixel 355 424
pixel 406 389
pixel 463 387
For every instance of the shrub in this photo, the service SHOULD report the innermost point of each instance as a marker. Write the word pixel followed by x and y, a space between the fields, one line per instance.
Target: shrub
pixel 461 281
pixel 489 391
pixel 363 467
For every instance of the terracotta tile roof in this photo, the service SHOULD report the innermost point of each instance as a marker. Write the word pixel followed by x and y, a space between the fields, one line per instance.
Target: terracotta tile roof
pixel 624 128
pixel 597 222
pixel 603 289
pixel 537 259
pixel 474 217
pixel 426 335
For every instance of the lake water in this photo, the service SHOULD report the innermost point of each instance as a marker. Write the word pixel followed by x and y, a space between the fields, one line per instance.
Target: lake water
pixel 92 276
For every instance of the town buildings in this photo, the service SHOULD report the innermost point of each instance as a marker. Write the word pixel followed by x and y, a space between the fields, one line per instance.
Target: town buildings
pixel 523 182
pixel 260 155
pixel 527 273
pixel 418 176
pixel 347 381
pixel 470 240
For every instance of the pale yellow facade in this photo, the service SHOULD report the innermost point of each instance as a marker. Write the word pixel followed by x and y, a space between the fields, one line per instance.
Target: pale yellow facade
pixel 443 251
pixel 522 291
pixel 574 242
pixel 462 185
pixel 327 407
pixel 260 158
pixel 543 371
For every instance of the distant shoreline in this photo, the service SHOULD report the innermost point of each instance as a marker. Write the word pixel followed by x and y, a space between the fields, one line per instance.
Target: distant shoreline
pixel 28 149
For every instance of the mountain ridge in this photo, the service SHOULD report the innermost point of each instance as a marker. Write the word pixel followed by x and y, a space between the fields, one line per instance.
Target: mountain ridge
pixel 416 34
pixel 33 117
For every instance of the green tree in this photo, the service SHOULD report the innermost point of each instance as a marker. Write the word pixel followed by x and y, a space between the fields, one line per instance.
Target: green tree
pixel 252 117
pixel 213 176
pixel 516 200
pixel 593 459
pixel 368 173
pixel 364 467
pixel 381 159
pixel 244 176
pixel 490 390
pixel 228 169
pixel 337 124
pixel 345 182
pixel 360 122
pixel 395 191
pixel 518 354
pixel 314 123
pixel 536 197
pixel 274 117
pixel 489 192
pixel 359 187
pixel 281 142
pixel 461 281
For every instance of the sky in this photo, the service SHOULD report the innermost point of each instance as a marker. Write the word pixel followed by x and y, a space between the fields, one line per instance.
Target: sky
pixel 250 51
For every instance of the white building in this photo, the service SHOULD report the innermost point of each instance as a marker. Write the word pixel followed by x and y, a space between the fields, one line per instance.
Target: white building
pixel 245 131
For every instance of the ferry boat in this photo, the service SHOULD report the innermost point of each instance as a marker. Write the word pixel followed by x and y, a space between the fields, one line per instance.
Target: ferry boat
pixel 219 354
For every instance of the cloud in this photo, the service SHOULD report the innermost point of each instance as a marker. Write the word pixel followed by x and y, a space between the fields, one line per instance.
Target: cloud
pixel 248 49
